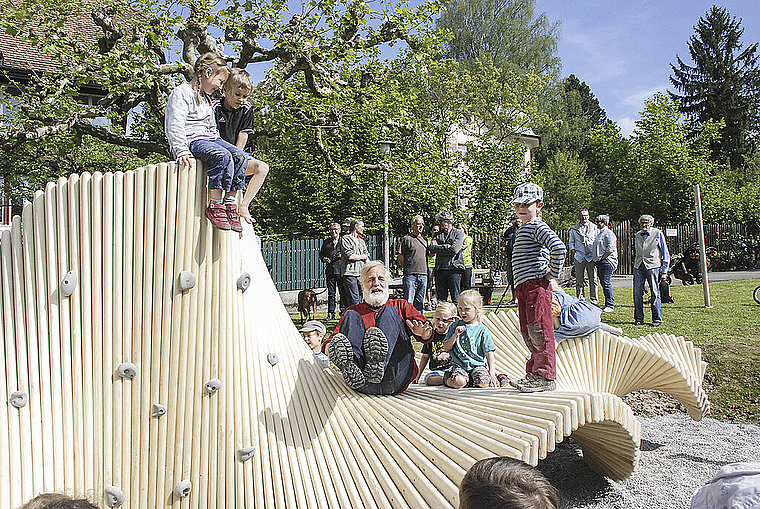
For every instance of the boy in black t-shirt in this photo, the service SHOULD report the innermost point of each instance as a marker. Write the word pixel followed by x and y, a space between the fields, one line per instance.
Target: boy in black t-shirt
pixel 234 118
pixel 433 352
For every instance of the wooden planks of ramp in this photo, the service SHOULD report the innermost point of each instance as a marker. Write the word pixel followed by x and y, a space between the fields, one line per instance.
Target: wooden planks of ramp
pixel 148 361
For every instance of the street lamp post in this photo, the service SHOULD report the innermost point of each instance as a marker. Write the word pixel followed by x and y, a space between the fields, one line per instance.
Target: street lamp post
pixel 385 148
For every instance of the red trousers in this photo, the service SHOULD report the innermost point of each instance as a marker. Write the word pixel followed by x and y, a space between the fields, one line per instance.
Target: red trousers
pixel 534 299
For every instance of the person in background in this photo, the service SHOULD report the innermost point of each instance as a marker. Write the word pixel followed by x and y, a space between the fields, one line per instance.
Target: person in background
pixel 580 243
pixel 506 483
pixel 507 239
pixel 329 254
pixel 430 290
pixel 605 254
pixel 412 258
pixel 467 277
pixel 649 266
pixel 353 255
pixel 449 264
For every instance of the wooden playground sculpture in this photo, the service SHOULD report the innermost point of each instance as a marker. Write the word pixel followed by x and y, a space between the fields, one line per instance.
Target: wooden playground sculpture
pixel 147 361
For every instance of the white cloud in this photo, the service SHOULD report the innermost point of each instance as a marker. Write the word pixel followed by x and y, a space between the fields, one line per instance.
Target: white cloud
pixel 627 125
pixel 638 98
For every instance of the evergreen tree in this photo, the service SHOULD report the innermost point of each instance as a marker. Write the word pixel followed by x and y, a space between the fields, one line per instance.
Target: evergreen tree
pixel 723 84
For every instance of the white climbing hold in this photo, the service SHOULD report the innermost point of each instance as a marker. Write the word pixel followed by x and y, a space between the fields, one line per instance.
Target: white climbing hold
pixel 245 453
pixel 158 410
pixel 114 496
pixel 244 281
pixel 69 283
pixel 18 399
pixel 213 385
pixel 127 370
pixel 272 358
pixel 186 280
pixel 183 488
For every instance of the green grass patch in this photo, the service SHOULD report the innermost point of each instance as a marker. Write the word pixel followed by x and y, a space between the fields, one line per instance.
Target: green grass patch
pixel 728 334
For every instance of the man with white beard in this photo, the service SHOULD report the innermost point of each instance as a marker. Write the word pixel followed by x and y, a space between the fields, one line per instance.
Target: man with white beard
pixel 371 345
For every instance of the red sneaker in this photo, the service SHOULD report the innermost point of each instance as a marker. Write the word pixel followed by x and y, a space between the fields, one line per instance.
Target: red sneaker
pixel 233 218
pixel 217 214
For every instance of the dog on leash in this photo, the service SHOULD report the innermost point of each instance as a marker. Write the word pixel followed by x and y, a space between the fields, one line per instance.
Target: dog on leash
pixel 307 304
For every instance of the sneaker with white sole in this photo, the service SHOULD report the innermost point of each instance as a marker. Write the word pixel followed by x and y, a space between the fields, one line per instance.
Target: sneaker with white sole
pixel 608 309
pixel 342 355
pixel 375 352
pixel 538 384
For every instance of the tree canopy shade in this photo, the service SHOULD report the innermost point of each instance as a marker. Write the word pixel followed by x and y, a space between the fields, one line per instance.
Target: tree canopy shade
pixel 723 84
pixel 330 51
pixel 507 31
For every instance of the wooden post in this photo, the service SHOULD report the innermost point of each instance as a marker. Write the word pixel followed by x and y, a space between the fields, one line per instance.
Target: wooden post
pixel 702 251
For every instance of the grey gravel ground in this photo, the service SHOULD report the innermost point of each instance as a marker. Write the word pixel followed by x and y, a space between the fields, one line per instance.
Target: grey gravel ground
pixel 678 455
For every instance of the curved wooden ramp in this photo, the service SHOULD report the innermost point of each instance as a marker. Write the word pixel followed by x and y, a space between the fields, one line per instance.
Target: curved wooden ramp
pixel 128 384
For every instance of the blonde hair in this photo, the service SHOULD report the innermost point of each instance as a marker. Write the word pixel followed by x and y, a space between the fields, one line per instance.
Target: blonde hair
pixel 238 78
pixel 211 61
pixel 473 298
pixel 447 307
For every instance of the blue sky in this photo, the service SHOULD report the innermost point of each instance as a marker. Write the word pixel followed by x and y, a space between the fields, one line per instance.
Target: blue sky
pixel 623 50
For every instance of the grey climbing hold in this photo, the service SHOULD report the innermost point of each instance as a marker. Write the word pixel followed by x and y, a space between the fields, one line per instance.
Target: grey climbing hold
pixel 127 370
pixel 114 496
pixel 244 281
pixel 18 399
pixel 213 385
pixel 245 453
pixel 183 488
pixel 273 359
pixel 158 410
pixel 69 283
pixel 186 280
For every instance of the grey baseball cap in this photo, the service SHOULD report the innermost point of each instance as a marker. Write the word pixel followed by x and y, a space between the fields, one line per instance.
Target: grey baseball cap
pixel 528 193
pixel 313 325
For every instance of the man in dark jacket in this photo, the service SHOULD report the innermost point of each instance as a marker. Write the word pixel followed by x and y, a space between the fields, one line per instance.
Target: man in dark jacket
pixel 449 263
pixel 329 254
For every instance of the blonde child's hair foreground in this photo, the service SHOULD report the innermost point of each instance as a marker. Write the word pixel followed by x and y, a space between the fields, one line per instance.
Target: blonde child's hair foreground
pixel 211 61
pixel 447 307
pixel 238 79
pixel 506 483
pixel 473 298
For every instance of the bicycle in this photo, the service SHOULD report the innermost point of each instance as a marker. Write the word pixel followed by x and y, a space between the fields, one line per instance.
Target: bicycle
pixel 756 295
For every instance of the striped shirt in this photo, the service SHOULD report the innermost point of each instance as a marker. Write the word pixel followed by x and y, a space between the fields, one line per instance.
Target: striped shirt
pixel 537 249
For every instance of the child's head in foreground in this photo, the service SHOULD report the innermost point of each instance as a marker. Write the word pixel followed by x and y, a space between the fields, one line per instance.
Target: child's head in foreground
pixel 313 333
pixel 506 483
pixel 57 501
pixel 528 201
pixel 445 314
pixel 237 88
pixel 470 306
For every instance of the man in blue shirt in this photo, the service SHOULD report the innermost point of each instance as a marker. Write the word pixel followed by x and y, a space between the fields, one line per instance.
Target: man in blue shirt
pixel 650 265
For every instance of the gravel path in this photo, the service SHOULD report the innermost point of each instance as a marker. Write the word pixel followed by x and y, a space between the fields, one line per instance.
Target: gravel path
pixel 678 455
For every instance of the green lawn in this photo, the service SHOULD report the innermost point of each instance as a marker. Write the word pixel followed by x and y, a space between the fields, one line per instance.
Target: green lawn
pixel 729 335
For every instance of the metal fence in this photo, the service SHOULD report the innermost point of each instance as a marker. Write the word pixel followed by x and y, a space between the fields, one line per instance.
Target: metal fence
pixel 295 265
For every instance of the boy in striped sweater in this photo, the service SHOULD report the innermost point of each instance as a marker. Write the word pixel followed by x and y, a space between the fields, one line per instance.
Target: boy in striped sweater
pixel 537 257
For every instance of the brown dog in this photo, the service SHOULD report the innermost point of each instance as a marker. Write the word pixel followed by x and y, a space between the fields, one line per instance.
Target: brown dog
pixel 307 304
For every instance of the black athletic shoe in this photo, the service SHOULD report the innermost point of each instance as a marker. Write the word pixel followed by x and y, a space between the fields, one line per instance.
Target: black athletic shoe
pixel 342 356
pixel 375 351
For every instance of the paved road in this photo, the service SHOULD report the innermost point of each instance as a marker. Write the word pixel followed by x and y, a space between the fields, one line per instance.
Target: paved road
pixel 627 281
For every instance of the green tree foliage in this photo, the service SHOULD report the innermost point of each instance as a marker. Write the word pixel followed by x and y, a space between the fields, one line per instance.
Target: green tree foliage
pixel 567 189
pixel 655 170
pixel 507 31
pixel 723 84
pixel 576 112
